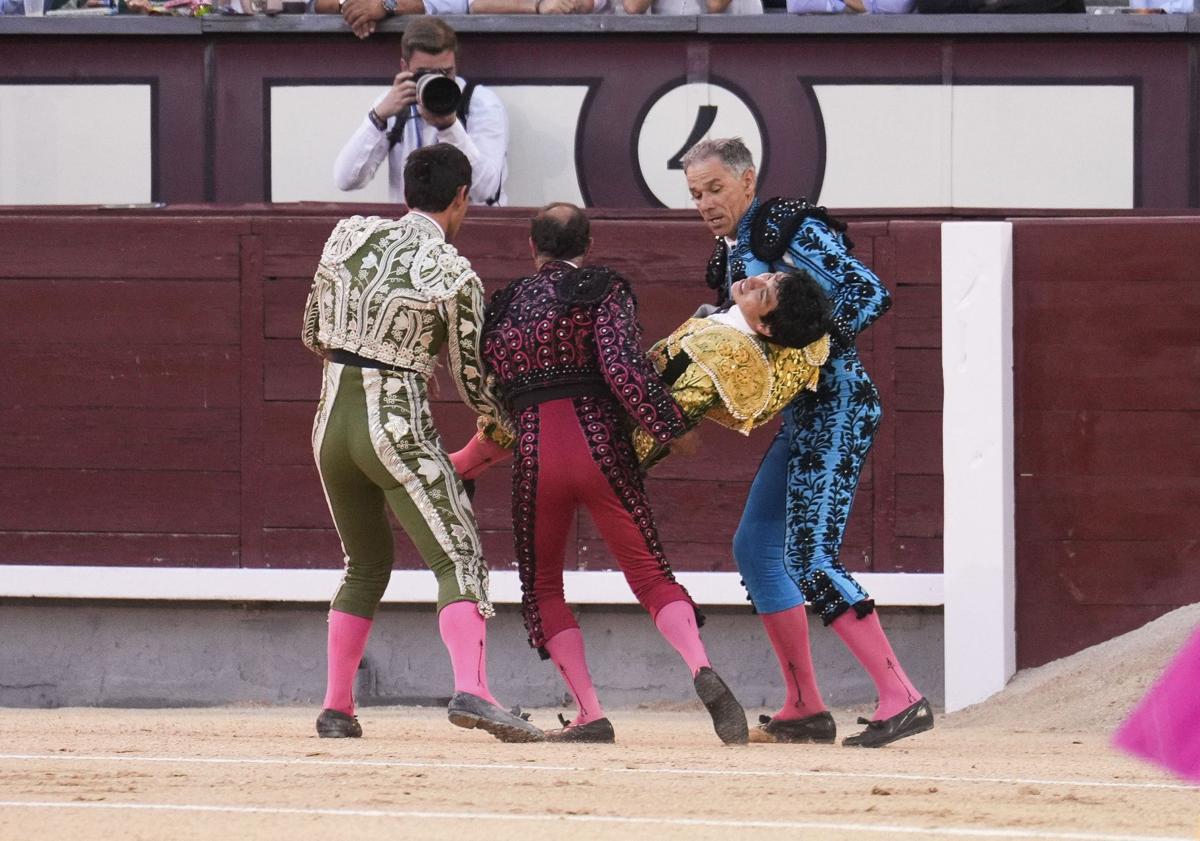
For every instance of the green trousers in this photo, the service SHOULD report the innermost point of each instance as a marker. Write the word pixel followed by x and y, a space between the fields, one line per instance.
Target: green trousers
pixel 376 447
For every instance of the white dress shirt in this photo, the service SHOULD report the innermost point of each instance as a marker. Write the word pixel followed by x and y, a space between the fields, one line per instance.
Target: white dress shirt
pixel 733 318
pixel 484 141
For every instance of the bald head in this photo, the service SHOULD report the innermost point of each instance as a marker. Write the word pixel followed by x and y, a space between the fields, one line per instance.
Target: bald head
pixel 560 231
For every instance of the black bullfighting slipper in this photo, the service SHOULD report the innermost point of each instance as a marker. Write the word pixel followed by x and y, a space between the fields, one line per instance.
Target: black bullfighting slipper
pixel 470 711
pixel 729 719
pixel 599 731
pixel 332 724
pixel 818 729
pixel 909 722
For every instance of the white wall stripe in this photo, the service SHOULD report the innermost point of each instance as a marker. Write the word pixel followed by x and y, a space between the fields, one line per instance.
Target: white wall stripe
pixel 977 460
pixel 882 829
pixel 407 586
pixel 564 769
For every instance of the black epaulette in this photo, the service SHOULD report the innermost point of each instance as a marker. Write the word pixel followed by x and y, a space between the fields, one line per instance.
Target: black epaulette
pixel 498 306
pixel 714 275
pixel 775 224
pixel 585 285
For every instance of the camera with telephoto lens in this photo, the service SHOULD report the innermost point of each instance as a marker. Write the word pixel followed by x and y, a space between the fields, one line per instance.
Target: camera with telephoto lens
pixel 438 93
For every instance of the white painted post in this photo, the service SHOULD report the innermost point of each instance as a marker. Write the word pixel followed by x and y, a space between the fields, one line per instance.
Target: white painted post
pixel 977 459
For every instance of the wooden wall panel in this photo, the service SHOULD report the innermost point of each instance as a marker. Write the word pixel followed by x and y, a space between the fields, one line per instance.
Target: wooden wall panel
pixel 193 428
pixel 125 438
pixel 1107 378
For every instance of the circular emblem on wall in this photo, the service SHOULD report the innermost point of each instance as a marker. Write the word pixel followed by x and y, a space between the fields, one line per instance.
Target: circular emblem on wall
pixel 677 120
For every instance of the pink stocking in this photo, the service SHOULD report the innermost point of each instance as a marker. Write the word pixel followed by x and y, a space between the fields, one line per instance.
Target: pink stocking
pixel 566 650
pixel 677 623
pixel 347 642
pixel 867 642
pixel 464 632
pixel 788 632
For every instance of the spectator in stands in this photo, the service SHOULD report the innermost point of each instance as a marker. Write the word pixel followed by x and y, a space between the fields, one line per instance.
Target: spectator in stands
pixel 539 7
pixel 397 123
pixel 362 15
pixel 1018 7
pixel 693 7
pixel 874 7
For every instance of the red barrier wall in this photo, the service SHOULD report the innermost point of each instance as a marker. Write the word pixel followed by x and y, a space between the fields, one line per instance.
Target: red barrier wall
pixel 1107 387
pixel 158 402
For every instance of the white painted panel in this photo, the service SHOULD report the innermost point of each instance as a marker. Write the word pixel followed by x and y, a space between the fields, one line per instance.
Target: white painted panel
pixel 1062 146
pixel 885 145
pixel 406 586
pixel 542 121
pixel 668 125
pixel 541 148
pixel 977 460
pixel 309 126
pixel 75 144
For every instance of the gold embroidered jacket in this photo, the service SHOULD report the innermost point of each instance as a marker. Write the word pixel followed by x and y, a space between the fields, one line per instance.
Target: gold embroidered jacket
pixel 395 291
pixel 738 380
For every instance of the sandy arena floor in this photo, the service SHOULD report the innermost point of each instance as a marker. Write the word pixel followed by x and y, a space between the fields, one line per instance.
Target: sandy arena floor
pixel 261 773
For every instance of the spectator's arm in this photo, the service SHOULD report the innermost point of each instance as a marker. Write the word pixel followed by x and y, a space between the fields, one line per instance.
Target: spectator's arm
pixel 356 164
pixel 636 7
pixel 484 142
pixel 504 7
pixel 716 7
pixel 535 7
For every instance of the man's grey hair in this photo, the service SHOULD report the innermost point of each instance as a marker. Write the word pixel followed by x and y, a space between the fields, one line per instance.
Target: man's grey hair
pixel 730 151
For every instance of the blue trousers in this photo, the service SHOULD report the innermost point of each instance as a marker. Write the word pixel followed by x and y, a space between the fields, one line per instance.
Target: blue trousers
pixel 790 535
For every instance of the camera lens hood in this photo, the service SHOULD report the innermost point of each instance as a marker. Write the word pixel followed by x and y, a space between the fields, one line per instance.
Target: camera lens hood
pixel 438 94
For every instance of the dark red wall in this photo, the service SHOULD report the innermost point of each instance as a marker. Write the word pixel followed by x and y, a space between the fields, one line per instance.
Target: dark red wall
pixel 1107 386
pixel 158 404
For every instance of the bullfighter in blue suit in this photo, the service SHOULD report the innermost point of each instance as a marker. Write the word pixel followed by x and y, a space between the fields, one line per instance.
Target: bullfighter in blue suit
pixel 791 531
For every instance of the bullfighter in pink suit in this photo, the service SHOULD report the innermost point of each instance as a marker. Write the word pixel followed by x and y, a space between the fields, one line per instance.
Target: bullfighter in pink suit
pixel 562 348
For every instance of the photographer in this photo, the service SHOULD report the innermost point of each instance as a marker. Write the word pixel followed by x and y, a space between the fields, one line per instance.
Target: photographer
pixel 400 122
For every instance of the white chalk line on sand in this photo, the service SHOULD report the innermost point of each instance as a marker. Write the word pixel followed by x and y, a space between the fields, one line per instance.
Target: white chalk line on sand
pixel 575 769
pixel 883 829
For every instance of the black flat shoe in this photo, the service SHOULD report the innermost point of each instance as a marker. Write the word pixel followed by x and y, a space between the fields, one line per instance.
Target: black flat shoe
pixel 332 724
pixel 599 731
pixel 916 719
pixel 470 711
pixel 729 719
pixel 817 729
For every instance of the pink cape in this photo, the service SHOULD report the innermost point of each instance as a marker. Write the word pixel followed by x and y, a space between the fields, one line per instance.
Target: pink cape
pixel 1164 728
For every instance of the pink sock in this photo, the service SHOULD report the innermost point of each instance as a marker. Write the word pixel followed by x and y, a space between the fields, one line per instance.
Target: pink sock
pixel 477 456
pixel 1164 727
pixel 677 623
pixel 866 641
pixel 788 632
pixel 566 650
pixel 464 632
pixel 347 642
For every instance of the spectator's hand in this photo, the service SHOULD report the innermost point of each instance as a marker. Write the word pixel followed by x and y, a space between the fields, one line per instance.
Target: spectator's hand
pixel 362 15
pixel 440 123
pixel 687 444
pixel 401 94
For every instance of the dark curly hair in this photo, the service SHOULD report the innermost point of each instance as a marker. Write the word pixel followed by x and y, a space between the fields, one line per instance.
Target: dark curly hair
pixel 802 314
pixel 433 176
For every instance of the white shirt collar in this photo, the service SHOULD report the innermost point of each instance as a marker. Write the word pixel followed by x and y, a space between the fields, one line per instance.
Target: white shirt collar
pixel 733 317
pixel 441 230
